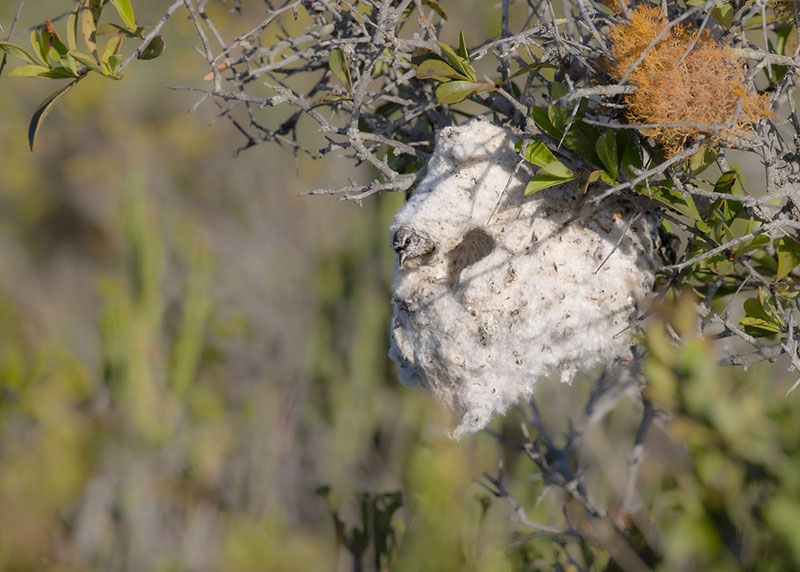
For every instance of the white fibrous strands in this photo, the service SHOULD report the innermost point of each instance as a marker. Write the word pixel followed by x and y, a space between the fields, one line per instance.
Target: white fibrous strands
pixel 495 290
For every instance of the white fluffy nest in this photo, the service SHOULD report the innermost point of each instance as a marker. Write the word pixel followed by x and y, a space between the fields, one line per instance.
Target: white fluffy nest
pixel 483 309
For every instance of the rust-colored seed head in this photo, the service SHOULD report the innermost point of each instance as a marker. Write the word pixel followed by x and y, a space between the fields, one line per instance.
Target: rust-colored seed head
pixel 700 87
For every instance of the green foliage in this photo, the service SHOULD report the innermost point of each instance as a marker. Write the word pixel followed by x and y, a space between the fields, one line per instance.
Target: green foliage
pixel 453 71
pixel 57 60
pixel 729 503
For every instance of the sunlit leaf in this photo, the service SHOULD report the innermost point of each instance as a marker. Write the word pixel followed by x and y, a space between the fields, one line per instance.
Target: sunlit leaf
pixel 788 250
pixel 59 72
pixel 456 91
pixel 559 169
pixel 544 181
pixel 41 50
pixel 87 61
pixel 337 62
pixel 72 28
pixel 459 63
pixel 125 11
pixel 44 109
pixel 88 30
pixel 434 69
pixel 112 49
pixel 29 71
pixel 537 153
pixel 761 315
pixel 433 5
pixel 69 63
pixel 51 38
pixel 540 117
pixel 18 52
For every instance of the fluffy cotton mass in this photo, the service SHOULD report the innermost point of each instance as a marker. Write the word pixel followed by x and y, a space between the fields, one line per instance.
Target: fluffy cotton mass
pixel 484 308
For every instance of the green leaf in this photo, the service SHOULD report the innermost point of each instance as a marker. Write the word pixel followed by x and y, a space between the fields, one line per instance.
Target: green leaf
pixel 580 137
pixel 606 148
pixel 462 47
pixel 757 242
pixel 88 30
pixel 112 49
pixel 598 175
pixel 154 49
pixel 759 327
pixel 337 62
pixel 87 61
pixel 125 11
pixel 51 41
pixel 529 68
pixel 558 90
pixel 456 91
pixel 719 264
pixel 544 181
pixel 788 251
pixel 559 169
pixel 113 63
pixel 435 69
pixel 432 4
pixel 761 315
pixel 18 52
pixel 72 28
pixel 59 72
pixel 664 193
pixel 459 63
pixel 542 120
pixel 723 13
pixel 70 64
pixel 41 50
pixel 730 182
pixel 29 71
pixel 537 153
pixel 43 111
pixel 701 160
pixel 631 158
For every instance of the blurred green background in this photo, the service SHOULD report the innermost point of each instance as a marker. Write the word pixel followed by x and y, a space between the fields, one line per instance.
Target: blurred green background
pixel 193 370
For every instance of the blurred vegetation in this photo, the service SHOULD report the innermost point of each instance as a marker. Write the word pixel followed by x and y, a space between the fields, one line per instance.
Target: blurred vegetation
pixel 193 376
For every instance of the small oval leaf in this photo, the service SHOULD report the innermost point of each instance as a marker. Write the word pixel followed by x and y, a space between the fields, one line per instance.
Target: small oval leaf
pixel 154 49
pixel 456 91
pixel 434 68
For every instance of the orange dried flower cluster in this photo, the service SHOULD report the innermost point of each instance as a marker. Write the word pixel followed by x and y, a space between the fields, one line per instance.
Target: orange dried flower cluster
pixel 691 90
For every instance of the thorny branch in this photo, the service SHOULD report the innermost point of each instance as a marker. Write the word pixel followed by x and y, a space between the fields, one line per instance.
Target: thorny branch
pixel 383 117
pixel 275 84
